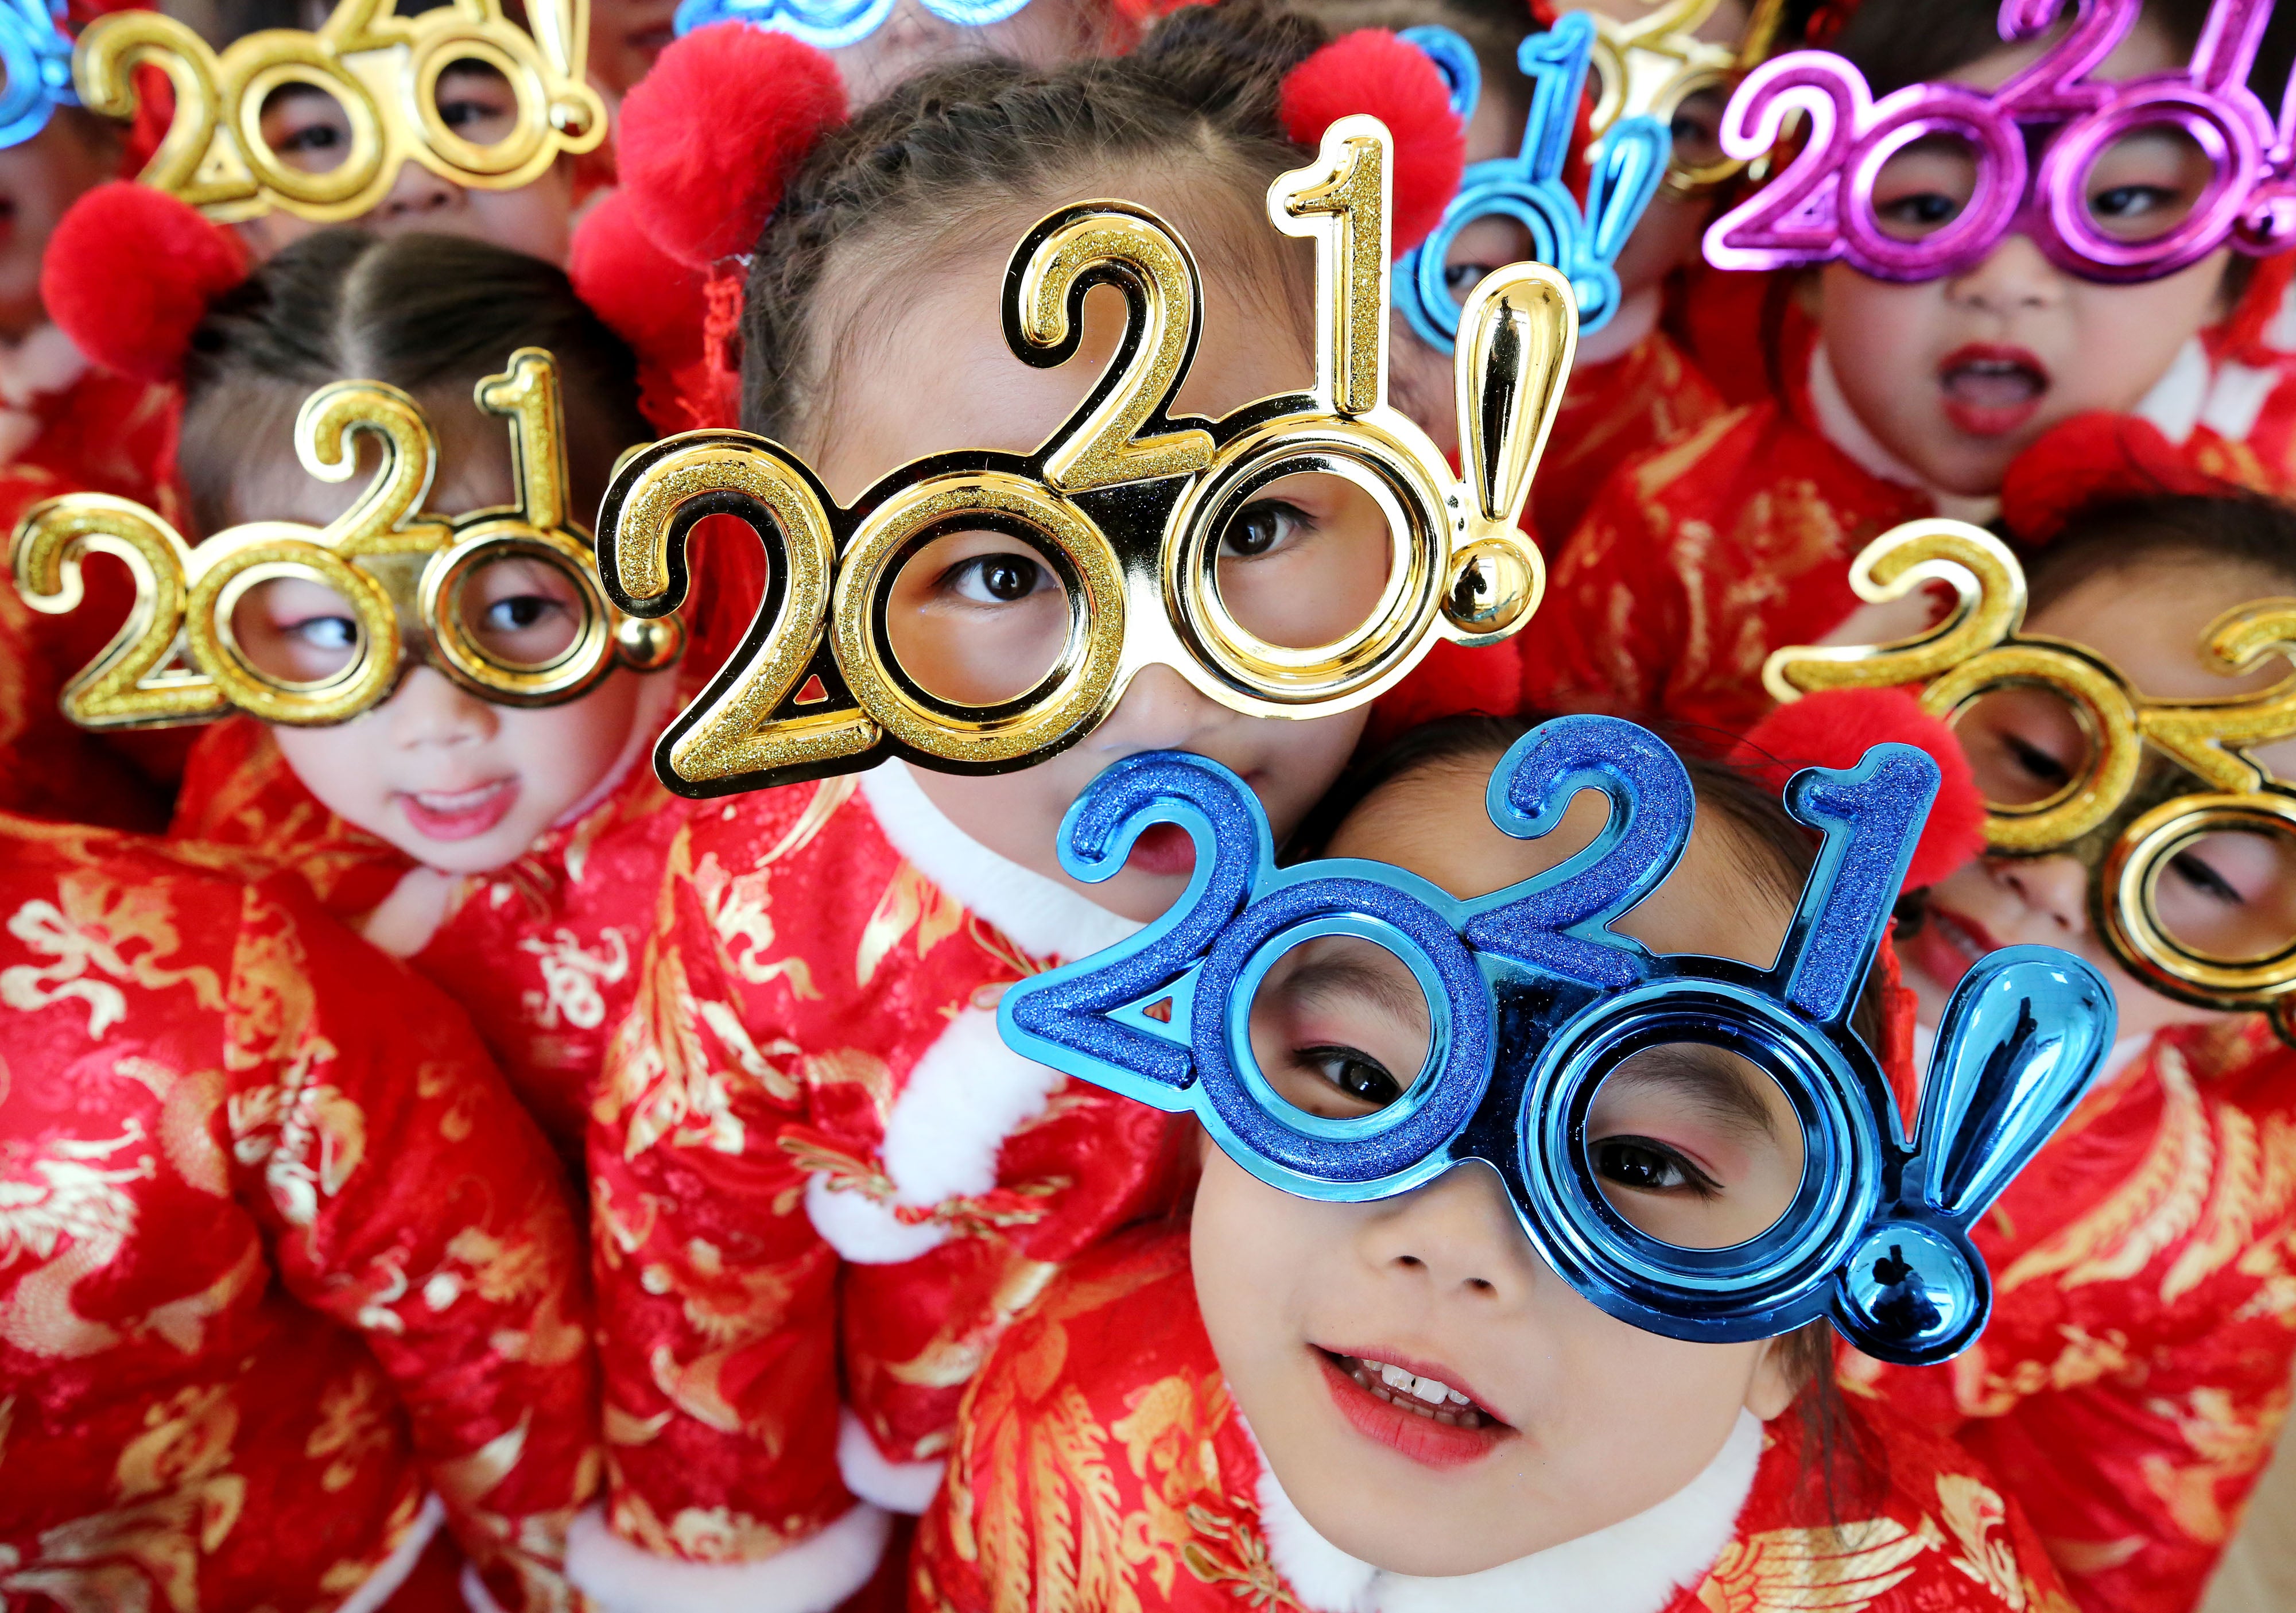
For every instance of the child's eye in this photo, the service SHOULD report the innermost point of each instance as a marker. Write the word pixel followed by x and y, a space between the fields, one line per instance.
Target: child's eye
pixel 1357 1074
pixel 2126 201
pixel 1259 528
pixel 1461 278
pixel 324 632
pixel 310 139
pixel 2196 872
pixel 520 613
pixel 995 579
pixel 2044 767
pixel 1922 210
pixel 1649 1167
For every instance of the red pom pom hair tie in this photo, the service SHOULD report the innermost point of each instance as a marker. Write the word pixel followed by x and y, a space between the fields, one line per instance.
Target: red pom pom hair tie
pixel 129 273
pixel 2091 461
pixel 707 143
pixel 1371 70
pixel 1837 726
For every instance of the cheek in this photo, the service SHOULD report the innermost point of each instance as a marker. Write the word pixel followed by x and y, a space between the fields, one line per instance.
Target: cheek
pixel 1302 760
pixel 1869 324
pixel 535 218
pixel 1248 1243
pixel 562 752
pixel 339 765
pixel 2126 337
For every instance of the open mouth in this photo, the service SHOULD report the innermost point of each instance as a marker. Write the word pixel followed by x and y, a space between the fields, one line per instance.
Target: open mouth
pixel 1946 945
pixel 459 815
pixel 1991 391
pixel 1414 1412
pixel 1164 849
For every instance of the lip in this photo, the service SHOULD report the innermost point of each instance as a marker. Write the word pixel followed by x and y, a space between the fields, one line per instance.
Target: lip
pixel 653 40
pixel 1163 849
pixel 1937 947
pixel 1994 409
pixel 1422 1439
pixel 461 814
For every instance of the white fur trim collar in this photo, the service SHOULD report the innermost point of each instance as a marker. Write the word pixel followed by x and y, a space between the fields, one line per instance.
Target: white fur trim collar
pixel 811 1576
pixel 959 1102
pixel 1046 919
pixel 1839 423
pixel 2176 399
pixel 1636 1566
pixel 897 1487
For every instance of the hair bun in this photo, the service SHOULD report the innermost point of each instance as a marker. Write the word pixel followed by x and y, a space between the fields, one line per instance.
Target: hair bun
pixel 128 275
pixel 709 138
pixel 1836 726
pixel 1372 70
pixel 2091 459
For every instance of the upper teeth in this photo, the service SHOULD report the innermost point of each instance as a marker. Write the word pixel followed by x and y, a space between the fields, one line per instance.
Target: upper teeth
pixel 1434 1391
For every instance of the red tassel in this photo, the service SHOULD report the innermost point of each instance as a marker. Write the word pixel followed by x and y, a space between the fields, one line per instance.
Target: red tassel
pixel 1835 728
pixel 128 274
pixel 1371 70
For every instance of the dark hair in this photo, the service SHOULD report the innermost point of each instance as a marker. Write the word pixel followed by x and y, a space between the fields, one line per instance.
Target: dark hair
pixel 960 148
pixel 431 314
pixel 1896 43
pixel 1771 851
pixel 2236 531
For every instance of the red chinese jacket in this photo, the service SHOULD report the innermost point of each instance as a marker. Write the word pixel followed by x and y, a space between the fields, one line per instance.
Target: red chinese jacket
pixel 1651 394
pixel 1100 1466
pixel 65 427
pixel 810 1151
pixel 283 1270
pixel 2135 1374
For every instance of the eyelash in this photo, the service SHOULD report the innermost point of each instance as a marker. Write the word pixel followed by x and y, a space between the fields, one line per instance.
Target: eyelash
pixel 1320 1056
pixel 1694 1181
pixel 2204 879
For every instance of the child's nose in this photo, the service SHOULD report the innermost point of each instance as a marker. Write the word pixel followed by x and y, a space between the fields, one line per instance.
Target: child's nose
pixel 1160 711
pixel 2013 278
pixel 432 711
pixel 2055 887
pixel 1458 1236
pixel 415 196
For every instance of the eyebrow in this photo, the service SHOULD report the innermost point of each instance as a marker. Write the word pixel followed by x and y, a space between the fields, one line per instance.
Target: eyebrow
pixel 1705 1076
pixel 1340 979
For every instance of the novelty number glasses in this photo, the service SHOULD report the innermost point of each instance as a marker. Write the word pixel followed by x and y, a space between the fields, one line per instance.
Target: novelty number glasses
pixel 1534 1002
pixel 187 653
pixel 35 54
pixel 2109 138
pixel 830 25
pixel 1656 66
pixel 2136 784
pixel 1125 505
pixel 380 69
pixel 1583 243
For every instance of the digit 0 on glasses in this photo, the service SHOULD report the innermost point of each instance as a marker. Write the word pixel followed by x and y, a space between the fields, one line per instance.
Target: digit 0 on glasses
pixel 1128 539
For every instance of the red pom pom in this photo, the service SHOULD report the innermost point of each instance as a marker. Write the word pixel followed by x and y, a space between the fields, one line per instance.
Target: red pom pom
pixel 2093 459
pixel 1835 728
pixel 1453 681
pixel 709 138
pixel 128 275
pixel 649 299
pixel 1371 70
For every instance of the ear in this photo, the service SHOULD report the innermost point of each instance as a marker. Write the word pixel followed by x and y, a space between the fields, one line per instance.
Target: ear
pixel 1777 1377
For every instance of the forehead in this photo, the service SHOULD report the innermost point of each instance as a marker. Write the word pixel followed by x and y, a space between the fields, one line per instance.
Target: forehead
pixel 1721 27
pixel 888 407
pixel 1432 822
pixel 2151 619
pixel 2147 49
pixel 473 472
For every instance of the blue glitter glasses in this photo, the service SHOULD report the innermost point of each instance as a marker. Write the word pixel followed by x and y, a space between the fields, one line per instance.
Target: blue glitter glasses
pixel 1532 1003
pixel 1626 167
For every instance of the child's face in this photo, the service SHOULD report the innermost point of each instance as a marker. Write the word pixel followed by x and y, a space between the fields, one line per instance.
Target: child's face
pixel 2234 895
pixel 453 781
pixel 1546 1419
pixel 1956 376
pixel 978 617
pixel 39 179
pixel 626 35
pixel 308 130
pixel 1043 33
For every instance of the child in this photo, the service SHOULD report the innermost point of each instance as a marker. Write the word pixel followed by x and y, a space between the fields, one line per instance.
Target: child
pixel 1392 1404
pixel 1699 559
pixel 2142 1262
pixel 438 805
pixel 285 1278
pixel 808 1094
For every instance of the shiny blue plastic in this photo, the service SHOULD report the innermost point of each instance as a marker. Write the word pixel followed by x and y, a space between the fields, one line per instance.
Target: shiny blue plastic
pixel 832 24
pixel 1624 171
pixel 1534 1001
pixel 1455 60
pixel 35 52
